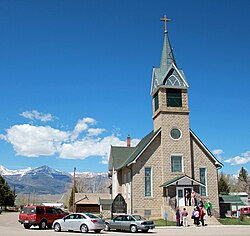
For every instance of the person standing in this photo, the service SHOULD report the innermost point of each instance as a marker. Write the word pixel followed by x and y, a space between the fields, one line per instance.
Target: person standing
pixel 202 214
pixel 184 215
pixel 193 198
pixel 178 217
pixel 209 208
pixel 196 216
pixel 187 198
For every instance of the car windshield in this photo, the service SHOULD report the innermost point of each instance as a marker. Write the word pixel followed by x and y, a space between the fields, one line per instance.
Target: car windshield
pixel 29 210
pixel 138 217
pixel 91 216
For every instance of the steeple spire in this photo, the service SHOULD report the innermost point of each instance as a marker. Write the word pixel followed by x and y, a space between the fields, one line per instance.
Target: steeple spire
pixel 167 74
pixel 167 56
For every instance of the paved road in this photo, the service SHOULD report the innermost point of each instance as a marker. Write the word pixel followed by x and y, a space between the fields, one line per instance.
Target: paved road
pixel 9 226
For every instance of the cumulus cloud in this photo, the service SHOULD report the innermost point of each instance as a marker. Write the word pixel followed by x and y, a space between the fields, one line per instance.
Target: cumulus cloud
pixel 36 115
pixel 239 160
pixel 90 147
pixel 34 141
pixel 82 125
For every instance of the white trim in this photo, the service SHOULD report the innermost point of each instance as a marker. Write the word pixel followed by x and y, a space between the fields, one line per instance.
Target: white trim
pixel 175 68
pixel 206 149
pixel 134 161
pixel 183 178
pixel 151 182
pixel 172 137
pixel 204 167
pixel 182 162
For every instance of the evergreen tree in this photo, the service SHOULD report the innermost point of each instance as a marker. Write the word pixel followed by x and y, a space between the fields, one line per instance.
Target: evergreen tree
pixel 223 185
pixel 72 197
pixel 243 176
pixel 243 180
pixel 7 197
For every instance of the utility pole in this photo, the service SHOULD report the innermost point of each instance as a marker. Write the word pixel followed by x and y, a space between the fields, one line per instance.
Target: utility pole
pixel 74 191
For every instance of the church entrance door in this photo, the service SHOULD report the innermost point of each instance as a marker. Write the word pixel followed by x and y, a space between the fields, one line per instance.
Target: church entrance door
pixel 180 197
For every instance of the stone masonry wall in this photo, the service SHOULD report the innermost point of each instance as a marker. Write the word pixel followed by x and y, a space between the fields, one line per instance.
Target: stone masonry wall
pixel 201 159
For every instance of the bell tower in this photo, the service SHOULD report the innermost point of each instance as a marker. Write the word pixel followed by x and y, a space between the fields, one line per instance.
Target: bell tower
pixel 169 91
pixel 169 88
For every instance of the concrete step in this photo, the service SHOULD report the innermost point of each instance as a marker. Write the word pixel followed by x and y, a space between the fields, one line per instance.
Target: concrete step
pixel 208 220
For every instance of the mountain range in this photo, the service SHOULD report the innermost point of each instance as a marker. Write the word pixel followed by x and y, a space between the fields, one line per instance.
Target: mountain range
pixel 46 180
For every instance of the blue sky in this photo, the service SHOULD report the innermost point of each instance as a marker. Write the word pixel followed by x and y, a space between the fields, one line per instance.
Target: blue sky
pixel 76 75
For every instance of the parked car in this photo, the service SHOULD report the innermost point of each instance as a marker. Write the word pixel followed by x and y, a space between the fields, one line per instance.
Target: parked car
pixel 1 211
pixel 42 216
pixel 83 222
pixel 132 223
pixel 245 210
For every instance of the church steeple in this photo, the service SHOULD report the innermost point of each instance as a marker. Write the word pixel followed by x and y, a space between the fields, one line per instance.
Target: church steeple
pixel 169 89
pixel 168 74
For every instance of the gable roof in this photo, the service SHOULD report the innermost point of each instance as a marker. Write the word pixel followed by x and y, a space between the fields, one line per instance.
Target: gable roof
pixel 217 163
pixel 124 156
pixel 233 199
pixel 179 179
pixel 118 156
pixel 90 198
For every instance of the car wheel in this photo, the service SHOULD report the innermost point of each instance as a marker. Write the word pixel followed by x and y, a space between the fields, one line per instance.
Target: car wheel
pixel 84 228
pixel 27 226
pixel 144 230
pixel 107 228
pixel 98 231
pixel 133 229
pixel 43 224
pixel 57 227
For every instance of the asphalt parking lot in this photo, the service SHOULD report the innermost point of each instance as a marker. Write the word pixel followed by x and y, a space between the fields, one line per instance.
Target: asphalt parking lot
pixel 9 226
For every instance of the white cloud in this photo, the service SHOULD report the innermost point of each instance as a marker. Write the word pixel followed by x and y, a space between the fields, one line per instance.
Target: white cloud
pixel 90 147
pixel 82 125
pixel 239 160
pixel 95 132
pixel 34 141
pixel 36 115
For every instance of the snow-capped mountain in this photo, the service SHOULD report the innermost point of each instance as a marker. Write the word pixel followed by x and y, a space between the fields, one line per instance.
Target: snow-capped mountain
pixel 46 180
pixel 40 180
pixel 5 171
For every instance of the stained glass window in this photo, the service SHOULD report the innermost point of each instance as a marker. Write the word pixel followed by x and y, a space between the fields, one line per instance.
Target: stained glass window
pixel 148 184
pixel 203 181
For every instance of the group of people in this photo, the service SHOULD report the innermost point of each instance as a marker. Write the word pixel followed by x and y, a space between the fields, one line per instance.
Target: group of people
pixel 197 214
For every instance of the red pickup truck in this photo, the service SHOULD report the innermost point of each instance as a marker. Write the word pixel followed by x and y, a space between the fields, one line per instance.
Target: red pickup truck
pixel 42 216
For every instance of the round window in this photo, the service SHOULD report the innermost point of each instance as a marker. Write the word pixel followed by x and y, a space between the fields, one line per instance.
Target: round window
pixel 175 133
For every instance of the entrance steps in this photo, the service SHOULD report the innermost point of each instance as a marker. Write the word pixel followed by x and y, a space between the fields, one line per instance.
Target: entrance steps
pixel 207 219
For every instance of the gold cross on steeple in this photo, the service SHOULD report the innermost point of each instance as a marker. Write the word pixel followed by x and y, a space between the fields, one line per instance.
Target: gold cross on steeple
pixel 165 19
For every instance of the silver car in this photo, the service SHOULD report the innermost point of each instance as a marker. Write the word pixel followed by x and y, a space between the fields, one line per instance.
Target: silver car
pixel 83 222
pixel 133 223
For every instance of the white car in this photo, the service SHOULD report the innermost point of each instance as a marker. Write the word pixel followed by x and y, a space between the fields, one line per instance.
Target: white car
pixel 83 222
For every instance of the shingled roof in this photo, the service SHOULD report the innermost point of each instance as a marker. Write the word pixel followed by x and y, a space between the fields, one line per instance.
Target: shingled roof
pixel 123 156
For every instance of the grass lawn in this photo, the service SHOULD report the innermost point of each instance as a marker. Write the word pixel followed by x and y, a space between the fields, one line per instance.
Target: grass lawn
pixel 234 221
pixel 162 222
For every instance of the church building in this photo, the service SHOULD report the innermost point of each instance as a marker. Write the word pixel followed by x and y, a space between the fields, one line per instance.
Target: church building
pixel 155 177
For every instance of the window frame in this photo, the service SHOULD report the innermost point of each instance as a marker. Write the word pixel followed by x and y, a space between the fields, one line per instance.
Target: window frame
pixel 172 99
pixel 148 178
pixel 156 101
pixel 181 162
pixel 203 182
